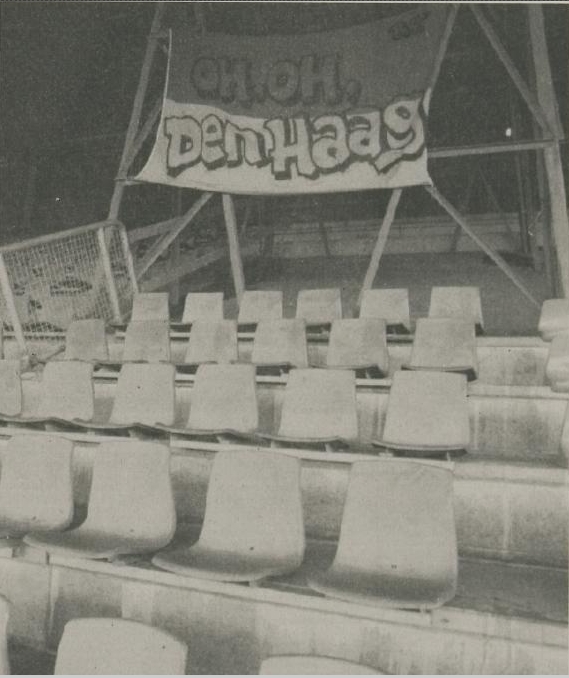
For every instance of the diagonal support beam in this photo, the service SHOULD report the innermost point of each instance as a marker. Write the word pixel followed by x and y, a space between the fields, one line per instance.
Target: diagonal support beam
pixel 522 87
pixel 380 242
pixel 496 258
pixel 162 245
pixel 144 132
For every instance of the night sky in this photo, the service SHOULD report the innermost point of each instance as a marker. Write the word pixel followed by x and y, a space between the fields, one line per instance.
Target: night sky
pixel 69 70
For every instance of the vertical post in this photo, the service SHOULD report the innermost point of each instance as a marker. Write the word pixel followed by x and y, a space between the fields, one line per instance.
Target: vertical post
pixel 380 242
pixel 551 154
pixel 134 122
pixel 11 305
pixel 128 257
pixel 233 240
pixel 105 258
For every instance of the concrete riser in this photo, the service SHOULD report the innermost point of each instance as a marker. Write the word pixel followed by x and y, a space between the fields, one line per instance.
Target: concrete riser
pixel 230 629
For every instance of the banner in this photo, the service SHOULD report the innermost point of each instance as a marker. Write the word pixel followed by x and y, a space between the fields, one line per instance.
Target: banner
pixel 320 112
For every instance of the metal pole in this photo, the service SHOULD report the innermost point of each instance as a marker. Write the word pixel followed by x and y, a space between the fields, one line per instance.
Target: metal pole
pixel 106 260
pixel 11 305
pixel 234 250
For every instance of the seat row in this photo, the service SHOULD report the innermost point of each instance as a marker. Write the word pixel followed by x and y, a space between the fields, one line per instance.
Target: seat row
pixel 316 306
pixel 427 412
pixel 115 646
pixel 446 344
pixel 397 546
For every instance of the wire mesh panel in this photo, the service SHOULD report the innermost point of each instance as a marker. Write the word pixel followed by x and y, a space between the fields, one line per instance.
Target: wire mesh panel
pixel 50 281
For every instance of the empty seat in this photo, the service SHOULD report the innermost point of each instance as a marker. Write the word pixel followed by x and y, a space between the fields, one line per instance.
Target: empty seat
pixel 212 341
pixel 224 400
pixel 259 305
pixel 203 306
pixel 86 340
pixel 392 305
pixel 312 665
pixel 131 505
pixel 358 343
pixel 445 344
pixel 147 341
pixel 4 616
pixel 397 545
pixel 107 646
pixel 557 364
pixel 253 526
pixel 280 342
pixel 150 306
pixel 67 391
pixel 145 394
pixel 427 412
pixel 319 307
pixel 11 391
pixel 554 318
pixel 457 302
pixel 319 406
pixel 36 491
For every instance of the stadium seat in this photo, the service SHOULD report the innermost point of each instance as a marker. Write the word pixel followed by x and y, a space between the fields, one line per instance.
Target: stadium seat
pixel 259 305
pixel 280 342
pixel 392 305
pixel 131 505
pixel 4 616
pixel 223 400
pixel 312 665
pixel 457 302
pixel 319 406
pixel 212 341
pixel 67 392
pixel 150 306
pixel 36 491
pixel 397 545
pixel 557 364
pixel 319 307
pixel 86 340
pixel 358 343
pixel 147 341
pixel 554 318
pixel 203 306
pixel 427 413
pixel 253 526
pixel 145 394
pixel 107 646
pixel 445 344
pixel 11 391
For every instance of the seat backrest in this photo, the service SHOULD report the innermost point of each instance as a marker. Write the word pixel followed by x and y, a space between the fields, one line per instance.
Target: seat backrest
pixel 312 665
pixel 86 340
pixel 319 405
pixel 4 616
pixel 145 394
pixel 147 341
pixel 554 318
pixel 224 397
pixel 36 484
pixel 107 646
pixel 280 342
pixel 358 342
pixel 203 306
pixel 319 307
pixel 457 302
pixel 398 520
pixel 427 410
pixel 67 391
pixel 212 341
pixel 259 305
pixel 444 344
pixel 392 305
pixel 150 306
pixel 254 505
pixel 11 391
pixel 131 493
